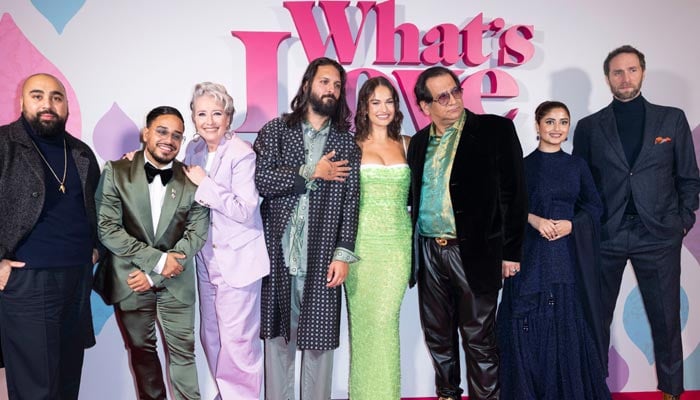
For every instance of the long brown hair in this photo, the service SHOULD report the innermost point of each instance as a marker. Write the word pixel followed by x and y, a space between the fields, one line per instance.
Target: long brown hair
pixel 300 102
pixel 362 125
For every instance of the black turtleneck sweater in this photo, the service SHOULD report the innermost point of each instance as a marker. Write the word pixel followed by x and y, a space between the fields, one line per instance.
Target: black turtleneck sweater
pixel 629 117
pixel 61 236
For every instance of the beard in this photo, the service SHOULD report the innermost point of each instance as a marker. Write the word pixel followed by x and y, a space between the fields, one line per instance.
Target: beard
pixel 47 129
pixel 322 106
pixel 624 96
pixel 161 159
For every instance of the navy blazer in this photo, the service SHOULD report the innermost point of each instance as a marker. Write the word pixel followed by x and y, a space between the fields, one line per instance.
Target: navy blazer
pixel 663 181
pixel 488 193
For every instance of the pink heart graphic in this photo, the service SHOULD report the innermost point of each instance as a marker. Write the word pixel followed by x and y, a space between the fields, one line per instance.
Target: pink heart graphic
pixel 19 60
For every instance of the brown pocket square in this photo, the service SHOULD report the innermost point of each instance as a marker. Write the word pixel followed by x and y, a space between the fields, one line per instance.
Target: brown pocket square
pixel 660 140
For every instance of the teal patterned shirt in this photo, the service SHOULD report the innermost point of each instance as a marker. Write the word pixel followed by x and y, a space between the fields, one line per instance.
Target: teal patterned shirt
pixel 435 216
pixel 295 239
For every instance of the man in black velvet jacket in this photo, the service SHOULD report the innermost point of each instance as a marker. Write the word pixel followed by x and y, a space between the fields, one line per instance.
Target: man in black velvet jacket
pixel 469 210
pixel 644 166
pixel 48 246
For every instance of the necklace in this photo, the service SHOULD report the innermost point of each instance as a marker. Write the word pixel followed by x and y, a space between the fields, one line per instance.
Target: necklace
pixel 61 182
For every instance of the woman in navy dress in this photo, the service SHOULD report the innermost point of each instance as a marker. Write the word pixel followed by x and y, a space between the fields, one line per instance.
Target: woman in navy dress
pixel 548 351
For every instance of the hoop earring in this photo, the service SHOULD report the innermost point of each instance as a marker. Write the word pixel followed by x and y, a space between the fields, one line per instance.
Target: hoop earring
pixel 228 135
pixel 196 137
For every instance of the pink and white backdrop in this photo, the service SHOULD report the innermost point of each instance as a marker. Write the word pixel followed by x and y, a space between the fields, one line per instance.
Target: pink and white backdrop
pixel 118 59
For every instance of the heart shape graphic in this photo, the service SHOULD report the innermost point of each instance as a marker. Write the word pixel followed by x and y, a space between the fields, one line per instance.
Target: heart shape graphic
pixel 59 13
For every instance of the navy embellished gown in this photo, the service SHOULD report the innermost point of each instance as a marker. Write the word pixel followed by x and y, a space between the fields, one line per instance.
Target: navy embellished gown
pixel 547 350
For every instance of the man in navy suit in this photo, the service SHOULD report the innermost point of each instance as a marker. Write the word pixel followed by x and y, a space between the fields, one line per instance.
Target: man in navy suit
pixel 643 163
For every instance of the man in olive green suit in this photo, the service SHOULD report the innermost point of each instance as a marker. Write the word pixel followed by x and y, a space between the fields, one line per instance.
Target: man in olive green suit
pixel 149 221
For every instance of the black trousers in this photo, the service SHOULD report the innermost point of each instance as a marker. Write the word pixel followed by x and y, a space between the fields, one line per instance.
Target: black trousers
pixel 448 309
pixel 43 317
pixel 657 266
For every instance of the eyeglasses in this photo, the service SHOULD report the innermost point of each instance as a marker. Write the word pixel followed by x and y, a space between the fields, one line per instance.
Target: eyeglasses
pixel 164 133
pixel 444 98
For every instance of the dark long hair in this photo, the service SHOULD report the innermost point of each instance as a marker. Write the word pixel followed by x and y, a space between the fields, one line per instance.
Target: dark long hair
pixel 362 124
pixel 300 102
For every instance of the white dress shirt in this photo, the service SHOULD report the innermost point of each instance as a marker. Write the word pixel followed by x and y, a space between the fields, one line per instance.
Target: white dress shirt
pixel 156 192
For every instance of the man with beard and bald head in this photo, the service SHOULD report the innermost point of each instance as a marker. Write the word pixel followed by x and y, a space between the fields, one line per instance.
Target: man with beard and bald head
pixel 150 223
pixel 48 245
pixel 643 163
pixel 307 171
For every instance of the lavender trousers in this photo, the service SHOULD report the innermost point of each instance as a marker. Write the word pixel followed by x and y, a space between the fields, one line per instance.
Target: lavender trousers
pixel 230 332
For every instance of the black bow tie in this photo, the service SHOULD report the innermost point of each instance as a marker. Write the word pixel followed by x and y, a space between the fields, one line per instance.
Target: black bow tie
pixel 151 172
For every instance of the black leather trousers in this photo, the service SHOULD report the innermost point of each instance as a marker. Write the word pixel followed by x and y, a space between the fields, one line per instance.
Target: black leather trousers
pixel 448 309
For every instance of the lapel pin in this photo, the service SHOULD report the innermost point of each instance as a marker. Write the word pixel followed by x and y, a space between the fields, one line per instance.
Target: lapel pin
pixel 172 193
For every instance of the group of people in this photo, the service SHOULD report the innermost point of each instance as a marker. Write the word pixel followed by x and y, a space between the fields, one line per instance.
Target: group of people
pixel 454 209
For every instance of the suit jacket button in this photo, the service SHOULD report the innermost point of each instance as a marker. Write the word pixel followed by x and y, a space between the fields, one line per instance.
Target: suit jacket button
pixel 213 246
pixel 35 194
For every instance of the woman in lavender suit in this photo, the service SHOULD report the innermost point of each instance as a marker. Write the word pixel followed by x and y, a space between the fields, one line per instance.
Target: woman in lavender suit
pixel 233 261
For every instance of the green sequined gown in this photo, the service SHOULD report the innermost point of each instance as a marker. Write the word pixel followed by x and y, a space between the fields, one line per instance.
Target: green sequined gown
pixel 376 284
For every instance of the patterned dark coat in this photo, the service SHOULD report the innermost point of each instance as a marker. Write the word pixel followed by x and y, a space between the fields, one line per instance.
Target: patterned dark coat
pixel 22 181
pixel 333 210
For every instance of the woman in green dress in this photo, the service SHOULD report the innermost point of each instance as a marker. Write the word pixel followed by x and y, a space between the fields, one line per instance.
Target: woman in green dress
pixel 376 284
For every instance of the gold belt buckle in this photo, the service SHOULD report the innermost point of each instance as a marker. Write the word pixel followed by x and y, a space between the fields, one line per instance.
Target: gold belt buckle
pixel 441 241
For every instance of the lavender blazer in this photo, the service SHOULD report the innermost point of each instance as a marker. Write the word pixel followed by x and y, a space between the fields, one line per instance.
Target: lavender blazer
pixel 236 244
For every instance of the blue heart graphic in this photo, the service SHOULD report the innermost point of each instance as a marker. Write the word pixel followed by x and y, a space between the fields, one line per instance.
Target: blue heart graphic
pixel 636 324
pixel 58 12
pixel 100 311
pixel 691 366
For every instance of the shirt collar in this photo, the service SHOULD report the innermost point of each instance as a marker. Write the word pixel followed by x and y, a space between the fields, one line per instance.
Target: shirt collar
pixel 312 133
pixel 456 127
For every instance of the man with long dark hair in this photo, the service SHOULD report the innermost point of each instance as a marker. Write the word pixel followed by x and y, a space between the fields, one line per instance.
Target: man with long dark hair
pixel 307 173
